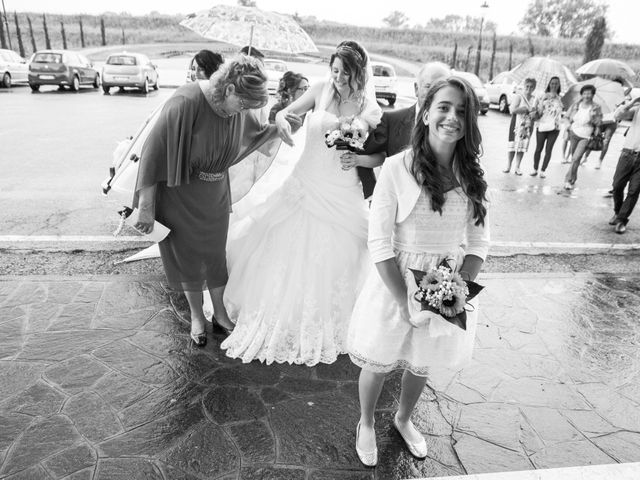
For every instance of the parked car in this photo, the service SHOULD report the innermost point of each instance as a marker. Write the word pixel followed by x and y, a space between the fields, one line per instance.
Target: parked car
pixel 501 90
pixel 384 81
pixel 129 70
pixel 63 68
pixel 478 87
pixel 275 69
pixel 13 68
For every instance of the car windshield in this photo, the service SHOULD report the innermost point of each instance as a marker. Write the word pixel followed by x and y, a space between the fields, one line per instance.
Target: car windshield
pixel 382 71
pixel 473 80
pixel 121 60
pixel 47 58
pixel 278 67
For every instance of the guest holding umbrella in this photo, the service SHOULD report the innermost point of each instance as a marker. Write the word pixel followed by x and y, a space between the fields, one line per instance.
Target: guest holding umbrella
pixel 585 116
pixel 549 112
pixel 522 109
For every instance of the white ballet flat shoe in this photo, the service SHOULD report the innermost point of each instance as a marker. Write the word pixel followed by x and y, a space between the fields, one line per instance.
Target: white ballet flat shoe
pixel 369 459
pixel 419 449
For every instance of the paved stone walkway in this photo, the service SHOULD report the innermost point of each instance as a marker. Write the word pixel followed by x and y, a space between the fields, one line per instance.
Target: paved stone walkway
pixel 98 381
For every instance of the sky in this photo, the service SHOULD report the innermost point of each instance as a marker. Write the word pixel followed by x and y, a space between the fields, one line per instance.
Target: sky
pixel 505 13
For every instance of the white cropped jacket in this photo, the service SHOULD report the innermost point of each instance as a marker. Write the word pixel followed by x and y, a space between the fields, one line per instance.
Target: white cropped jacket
pixel 394 197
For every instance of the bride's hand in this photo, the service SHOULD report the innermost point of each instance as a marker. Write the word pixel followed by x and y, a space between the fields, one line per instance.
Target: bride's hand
pixel 284 128
pixel 348 160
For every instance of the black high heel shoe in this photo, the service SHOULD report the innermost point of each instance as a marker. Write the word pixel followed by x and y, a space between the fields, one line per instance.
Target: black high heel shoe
pixel 218 326
pixel 199 339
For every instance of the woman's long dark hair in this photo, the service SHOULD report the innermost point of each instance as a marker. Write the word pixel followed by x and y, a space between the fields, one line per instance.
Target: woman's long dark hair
pixel 548 89
pixel 354 61
pixel 287 85
pixel 466 165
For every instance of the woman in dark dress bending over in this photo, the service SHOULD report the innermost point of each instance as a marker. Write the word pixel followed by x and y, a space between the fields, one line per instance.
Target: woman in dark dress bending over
pixel 204 128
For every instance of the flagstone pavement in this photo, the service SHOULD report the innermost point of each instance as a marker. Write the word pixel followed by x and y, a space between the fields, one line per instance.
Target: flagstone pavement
pixel 98 380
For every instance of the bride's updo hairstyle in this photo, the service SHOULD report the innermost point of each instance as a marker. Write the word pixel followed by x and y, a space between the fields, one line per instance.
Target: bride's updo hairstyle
pixel 354 61
pixel 248 77
pixel 466 165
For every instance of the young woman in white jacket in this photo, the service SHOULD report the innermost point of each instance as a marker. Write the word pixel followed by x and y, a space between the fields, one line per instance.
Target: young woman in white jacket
pixel 429 200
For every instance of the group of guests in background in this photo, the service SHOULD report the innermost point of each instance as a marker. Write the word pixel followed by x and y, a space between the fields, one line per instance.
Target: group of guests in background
pixel 582 122
pixel 318 272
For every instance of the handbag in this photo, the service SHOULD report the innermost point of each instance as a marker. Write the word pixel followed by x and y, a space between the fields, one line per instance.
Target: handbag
pixel 595 142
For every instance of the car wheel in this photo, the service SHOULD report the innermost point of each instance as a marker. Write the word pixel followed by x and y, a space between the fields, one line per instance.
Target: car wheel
pixel 391 101
pixel 34 87
pixel 96 81
pixel 6 80
pixel 75 83
pixel 156 86
pixel 484 112
pixel 145 86
pixel 106 89
pixel 503 106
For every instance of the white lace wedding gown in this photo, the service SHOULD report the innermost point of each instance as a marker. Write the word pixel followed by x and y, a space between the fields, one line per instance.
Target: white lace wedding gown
pixel 297 262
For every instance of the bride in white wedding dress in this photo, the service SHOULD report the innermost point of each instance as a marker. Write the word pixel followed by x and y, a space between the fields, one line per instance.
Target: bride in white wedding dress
pixel 297 262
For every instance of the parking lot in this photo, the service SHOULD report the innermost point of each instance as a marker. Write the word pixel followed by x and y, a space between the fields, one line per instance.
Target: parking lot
pixel 57 147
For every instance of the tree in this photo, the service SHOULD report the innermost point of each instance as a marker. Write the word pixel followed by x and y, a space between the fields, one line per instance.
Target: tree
pixel 81 33
pixel 493 55
pixel 466 62
pixel 3 40
pixel 19 35
pixel 102 32
pixel 47 40
pixel 510 55
pixel 454 58
pixel 33 38
pixel 396 19
pixel 64 35
pixel 458 23
pixel 123 37
pixel 247 3
pixel 595 40
pixel 532 50
pixel 561 18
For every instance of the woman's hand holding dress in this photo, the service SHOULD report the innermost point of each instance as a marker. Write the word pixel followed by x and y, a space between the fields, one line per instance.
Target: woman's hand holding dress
pixel 146 210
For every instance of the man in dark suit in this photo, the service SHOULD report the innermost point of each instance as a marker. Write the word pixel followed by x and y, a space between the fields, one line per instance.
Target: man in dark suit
pixel 393 133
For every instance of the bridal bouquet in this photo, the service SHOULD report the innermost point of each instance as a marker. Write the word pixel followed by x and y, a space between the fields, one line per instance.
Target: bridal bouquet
pixel 350 135
pixel 443 292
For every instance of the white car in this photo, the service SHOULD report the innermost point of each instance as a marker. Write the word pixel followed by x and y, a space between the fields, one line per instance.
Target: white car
pixel 129 70
pixel 13 68
pixel 500 91
pixel 275 69
pixel 478 88
pixel 384 81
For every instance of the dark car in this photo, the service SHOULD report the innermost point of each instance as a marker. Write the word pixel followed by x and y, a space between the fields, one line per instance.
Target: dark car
pixel 63 68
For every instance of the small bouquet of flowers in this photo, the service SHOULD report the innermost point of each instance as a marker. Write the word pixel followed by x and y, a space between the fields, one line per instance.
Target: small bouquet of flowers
pixel 350 135
pixel 443 292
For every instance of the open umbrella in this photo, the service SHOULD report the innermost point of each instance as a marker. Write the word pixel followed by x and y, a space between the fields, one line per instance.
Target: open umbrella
pixel 250 26
pixel 542 69
pixel 609 94
pixel 607 68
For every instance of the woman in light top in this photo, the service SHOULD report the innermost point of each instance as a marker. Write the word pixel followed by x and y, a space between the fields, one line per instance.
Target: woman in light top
pixel 427 202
